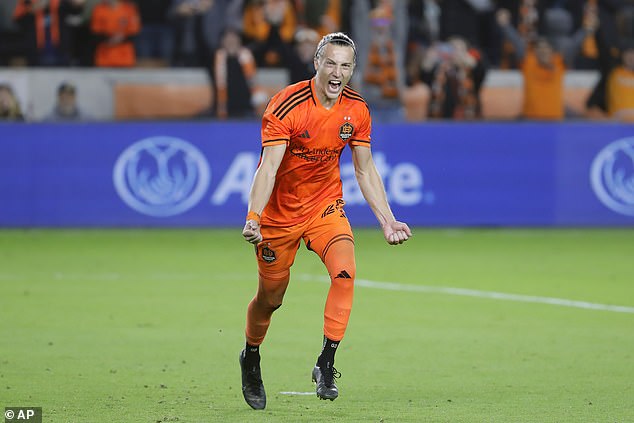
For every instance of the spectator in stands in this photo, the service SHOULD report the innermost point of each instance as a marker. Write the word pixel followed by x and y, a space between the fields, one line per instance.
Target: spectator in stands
pixel 606 10
pixel 608 52
pixel 115 23
pixel 424 22
pixel 615 92
pixel 269 27
pixel 154 43
pixel 190 44
pixel 472 20
pixel 529 19
pixel 9 104
pixel 198 26
pixel 423 32
pixel 323 16
pixel 543 67
pixel 11 46
pixel 299 59
pixel 454 73
pixel 234 73
pixel 82 40
pixel 44 27
pixel 381 35
pixel 524 17
pixel 66 107
pixel 223 15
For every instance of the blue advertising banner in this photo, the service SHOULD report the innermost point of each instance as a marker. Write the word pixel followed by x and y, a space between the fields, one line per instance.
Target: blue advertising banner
pixel 199 174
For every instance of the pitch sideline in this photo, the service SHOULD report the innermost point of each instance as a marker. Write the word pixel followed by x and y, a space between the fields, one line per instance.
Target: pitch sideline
pixel 563 302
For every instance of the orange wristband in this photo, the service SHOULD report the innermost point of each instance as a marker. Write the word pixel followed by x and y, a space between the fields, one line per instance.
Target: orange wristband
pixel 253 216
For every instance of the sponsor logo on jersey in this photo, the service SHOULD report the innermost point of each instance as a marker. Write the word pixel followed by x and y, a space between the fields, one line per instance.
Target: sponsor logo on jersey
pixel 612 176
pixel 161 176
pixel 314 154
pixel 345 131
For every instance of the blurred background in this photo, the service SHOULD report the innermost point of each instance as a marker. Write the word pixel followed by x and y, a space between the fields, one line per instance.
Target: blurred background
pixel 146 112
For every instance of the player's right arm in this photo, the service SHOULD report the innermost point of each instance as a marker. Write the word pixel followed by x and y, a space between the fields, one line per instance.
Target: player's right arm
pixel 261 189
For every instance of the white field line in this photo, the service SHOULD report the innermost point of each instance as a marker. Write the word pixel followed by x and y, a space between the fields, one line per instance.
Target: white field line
pixel 563 302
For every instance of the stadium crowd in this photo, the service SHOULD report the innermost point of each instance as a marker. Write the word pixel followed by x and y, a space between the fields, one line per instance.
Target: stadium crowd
pixel 439 50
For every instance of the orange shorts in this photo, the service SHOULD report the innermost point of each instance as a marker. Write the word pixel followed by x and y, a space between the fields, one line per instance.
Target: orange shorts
pixel 276 252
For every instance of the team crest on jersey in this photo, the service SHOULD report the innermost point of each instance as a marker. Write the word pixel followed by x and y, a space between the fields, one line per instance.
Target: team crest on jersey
pixel 268 255
pixel 345 131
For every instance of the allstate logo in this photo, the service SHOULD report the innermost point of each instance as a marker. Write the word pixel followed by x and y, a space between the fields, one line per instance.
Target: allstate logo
pixel 612 176
pixel 161 176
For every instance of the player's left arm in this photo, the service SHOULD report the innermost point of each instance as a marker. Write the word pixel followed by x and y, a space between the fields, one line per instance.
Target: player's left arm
pixel 371 185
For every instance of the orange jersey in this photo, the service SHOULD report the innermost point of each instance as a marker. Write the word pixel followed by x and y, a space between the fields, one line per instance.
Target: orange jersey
pixel 543 88
pixel 23 8
pixel 620 93
pixel 315 138
pixel 111 20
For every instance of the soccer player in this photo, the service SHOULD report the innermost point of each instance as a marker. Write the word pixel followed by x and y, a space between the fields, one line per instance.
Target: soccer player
pixel 297 194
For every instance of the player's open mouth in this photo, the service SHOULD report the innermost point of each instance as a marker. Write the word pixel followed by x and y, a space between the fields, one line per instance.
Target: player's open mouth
pixel 334 86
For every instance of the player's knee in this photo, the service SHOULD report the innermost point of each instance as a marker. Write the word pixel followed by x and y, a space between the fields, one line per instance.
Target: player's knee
pixel 344 274
pixel 272 288
pixel 342 268
pixel 271 301
pixel 340 261
pixel 274 303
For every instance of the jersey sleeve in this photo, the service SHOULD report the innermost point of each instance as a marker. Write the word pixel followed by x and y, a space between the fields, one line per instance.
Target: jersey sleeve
pixel 361 134
pixel 274 131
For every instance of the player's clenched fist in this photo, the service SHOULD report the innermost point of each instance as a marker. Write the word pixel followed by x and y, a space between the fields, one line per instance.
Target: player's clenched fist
pixel 251 232
pixel 396 232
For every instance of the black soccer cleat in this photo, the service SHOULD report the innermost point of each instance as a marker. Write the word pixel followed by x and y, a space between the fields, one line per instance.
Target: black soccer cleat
pixel 325 377
pixel 252 386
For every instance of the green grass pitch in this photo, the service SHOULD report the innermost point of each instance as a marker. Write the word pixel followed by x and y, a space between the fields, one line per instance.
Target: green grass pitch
pixel 146 326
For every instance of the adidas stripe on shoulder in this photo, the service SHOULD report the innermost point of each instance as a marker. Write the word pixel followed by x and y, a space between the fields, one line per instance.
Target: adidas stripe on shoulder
pixel 352 94
pixel 302 93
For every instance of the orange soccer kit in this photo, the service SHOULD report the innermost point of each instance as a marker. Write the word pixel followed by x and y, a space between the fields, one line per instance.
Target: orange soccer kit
pixel 306 202
pixel 109 20
pixel 543 88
